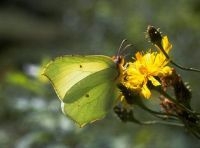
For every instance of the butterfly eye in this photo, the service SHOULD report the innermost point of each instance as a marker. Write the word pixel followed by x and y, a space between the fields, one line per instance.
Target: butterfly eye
pixel 154 35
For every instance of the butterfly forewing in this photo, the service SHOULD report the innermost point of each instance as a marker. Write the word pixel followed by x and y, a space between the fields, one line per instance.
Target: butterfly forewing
pixel 64 72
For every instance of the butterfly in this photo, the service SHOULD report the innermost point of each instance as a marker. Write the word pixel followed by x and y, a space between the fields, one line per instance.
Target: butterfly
pixel 86 85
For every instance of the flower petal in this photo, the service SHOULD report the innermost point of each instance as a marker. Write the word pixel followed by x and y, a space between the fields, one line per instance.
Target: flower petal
pixel 165 71
pixel 154 81
pixel 166 44
pixel 145 92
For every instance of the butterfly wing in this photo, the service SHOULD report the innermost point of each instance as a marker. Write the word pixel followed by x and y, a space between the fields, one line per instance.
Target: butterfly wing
pixel 94 101
pixel 64 72
pixel 85 85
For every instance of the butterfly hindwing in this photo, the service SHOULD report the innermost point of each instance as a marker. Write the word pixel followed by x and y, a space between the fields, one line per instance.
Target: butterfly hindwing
pixel 93 105
pixel 108 75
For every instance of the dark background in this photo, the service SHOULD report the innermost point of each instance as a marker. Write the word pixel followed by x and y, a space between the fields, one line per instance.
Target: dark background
pixel 32 32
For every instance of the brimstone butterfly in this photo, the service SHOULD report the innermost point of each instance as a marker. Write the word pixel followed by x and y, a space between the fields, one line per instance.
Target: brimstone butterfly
pixel 86 85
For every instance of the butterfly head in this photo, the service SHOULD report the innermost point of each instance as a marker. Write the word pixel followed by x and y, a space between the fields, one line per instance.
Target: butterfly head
pixel 119 60
pixel 119 57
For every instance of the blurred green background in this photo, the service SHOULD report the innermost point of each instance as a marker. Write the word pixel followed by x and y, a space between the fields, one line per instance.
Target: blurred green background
pixel 33 31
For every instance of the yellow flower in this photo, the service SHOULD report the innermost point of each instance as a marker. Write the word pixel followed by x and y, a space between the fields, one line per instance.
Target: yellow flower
pixel 166 44
pixel 147 67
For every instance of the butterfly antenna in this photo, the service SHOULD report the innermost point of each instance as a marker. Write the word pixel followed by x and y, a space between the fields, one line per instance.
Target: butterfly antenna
pixel 156 38
pixel 121 46
pixel 127 54
pixel 126 47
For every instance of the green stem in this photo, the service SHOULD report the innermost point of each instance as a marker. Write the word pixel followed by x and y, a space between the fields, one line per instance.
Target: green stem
pixel 140 103
pixel 184 68
pixel 155 122
pixel 172 62
pixel 162 122
pixel 161 91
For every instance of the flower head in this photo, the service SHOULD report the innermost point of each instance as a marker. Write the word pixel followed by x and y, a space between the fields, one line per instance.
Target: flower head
pixel 147 67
